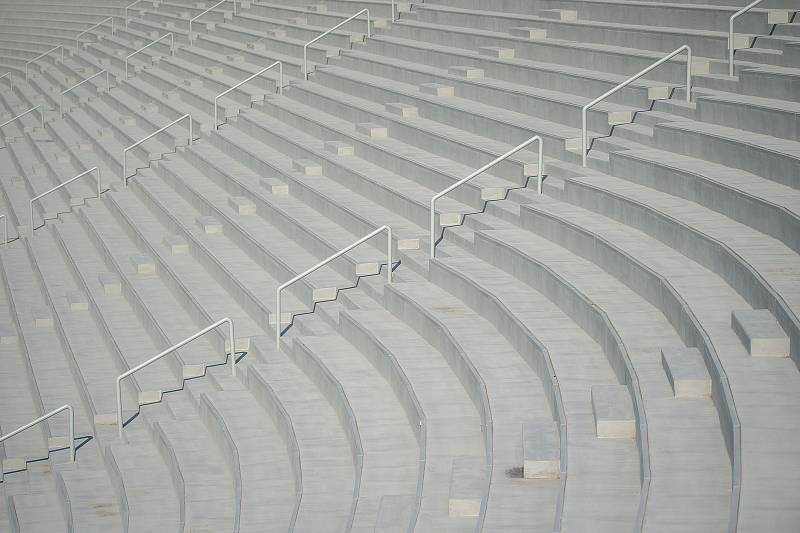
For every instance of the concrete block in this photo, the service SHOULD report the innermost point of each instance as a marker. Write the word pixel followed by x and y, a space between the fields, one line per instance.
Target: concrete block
pixel 57 443
pixel 275 186
pixel 8 334
pixel 760 333
pixel 613 412
pixel 234 58
pixel 143 264
pixel 686 372
pixel 466 486
pixel 307 167
pixel 559 14
pixel 149 396
pixel 193 371
pixel 778 16
pixel 209 224
pixel 242 205
pixel 213 71
pixel 370 129
pixel 39 169
pixel 286 319
pixel 436 89
pixel 367 269
pixel 497 51
pixel 408 244
pixel 105 419
pixel 14 464
pixel 317 8
pixel 403 110
pixel 323 294
pixel 541 454
pixel 77 301
pixel 149 107
pixel 171 96
pixel 110 282
pixel 193 82
pixel 470 73
pixel 105 133
pixel 127 120
pixel 64 157
pixel 449 219
pixel 17 180
pixel 176 244
pixel 658 93
pixel 257 45
pixel 42 318
pixel 85 146
pixel 242 344
pixel 339 148
pixel 534 34
pixel 298 21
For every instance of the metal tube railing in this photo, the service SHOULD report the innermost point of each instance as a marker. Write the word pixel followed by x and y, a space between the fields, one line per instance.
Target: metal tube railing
pixel 393 12
pixel 171 49
pixel 54 412
pixel 82 174
pixel 137 143
pixel 585 109
pixel 481 170
pixel 41 113
pixel 126 10
pixel 5 231
pixel 732 36
pixel 84 32
pixel 191 39
pixel 257 74
pixel 169 351
pixel 61 100
pixel 10 80
pixel 42 55
pixel 325 262
pixel 318 37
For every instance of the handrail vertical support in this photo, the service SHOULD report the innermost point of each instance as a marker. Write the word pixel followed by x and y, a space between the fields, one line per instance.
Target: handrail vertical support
pixel 191 20
pixel 585 108
pixel 41 56
pixel 168 351
pixel 324 262
pixel 320 36
pixel 10 80
pixel 60 185
pixel 5 230
pixel 732 35
pixel 70 423
pixel 484 168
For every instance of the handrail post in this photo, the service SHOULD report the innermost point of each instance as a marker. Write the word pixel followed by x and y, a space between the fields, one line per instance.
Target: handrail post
pixel 320 36
pixel 168 351
pixel 484 168
pixel 137 143
pixel 41 56
pixel 584 110
pixel 732 36
pixel 60 185
pixel 87 30
pixel 226 91
pixel 70 422
pixel 321 264
pixel 191 20
pixel 10 80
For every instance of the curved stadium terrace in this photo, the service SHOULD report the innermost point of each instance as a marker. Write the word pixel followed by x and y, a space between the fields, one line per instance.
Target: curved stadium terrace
pixel 376 266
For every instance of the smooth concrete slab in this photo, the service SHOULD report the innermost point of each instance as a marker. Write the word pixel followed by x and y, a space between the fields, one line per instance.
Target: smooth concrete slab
pixel 466 486
pixel 612 407
pixel 760 333
pixel 686 372
pixel 394 513
pixel 541 453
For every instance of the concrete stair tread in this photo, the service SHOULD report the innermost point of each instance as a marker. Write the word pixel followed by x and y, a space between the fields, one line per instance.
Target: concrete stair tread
pixel 90 498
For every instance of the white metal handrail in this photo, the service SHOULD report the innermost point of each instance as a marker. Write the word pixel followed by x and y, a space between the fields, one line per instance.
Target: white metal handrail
pixel 10 80
pixel 320 36
pixel 5 231
pixel 42 55
pixel 171 49
pixel 41 113
pixel 393 12
pixel 65 91
pixel 585 109
pixel 257 74
pixel 84 32
pixel 127 8
pixel 325 262
pixel 168 351
pixel 731 35
pixel 481 170
pixel 137 143
pixel 191 39
pixel 82 174
pixel 42 418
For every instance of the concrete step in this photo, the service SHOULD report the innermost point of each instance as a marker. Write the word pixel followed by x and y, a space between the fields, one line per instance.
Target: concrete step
pixel 760 333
